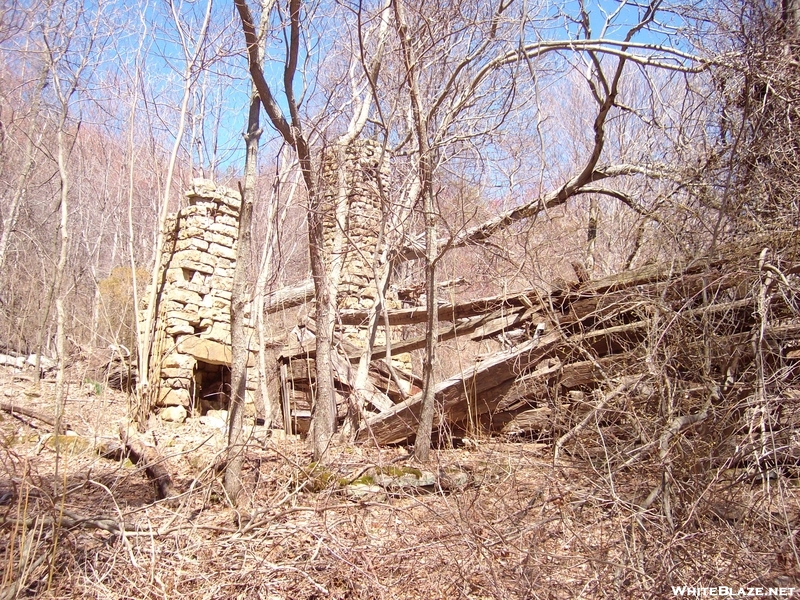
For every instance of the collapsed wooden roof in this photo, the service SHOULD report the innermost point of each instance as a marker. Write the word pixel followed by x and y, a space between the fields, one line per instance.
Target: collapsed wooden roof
pixel 573 338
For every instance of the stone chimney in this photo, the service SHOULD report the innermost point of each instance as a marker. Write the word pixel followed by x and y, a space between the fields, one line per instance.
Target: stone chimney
pixel 361 171
pixel 191 354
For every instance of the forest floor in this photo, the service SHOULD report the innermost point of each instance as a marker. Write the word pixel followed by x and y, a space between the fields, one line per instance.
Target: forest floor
pixel 76 525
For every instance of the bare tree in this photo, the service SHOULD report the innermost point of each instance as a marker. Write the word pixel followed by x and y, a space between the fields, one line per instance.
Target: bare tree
pixel 324 408
pixel 23 180
pixel 241 296
pixel 68 57
pixel 423 444
pixel 453 103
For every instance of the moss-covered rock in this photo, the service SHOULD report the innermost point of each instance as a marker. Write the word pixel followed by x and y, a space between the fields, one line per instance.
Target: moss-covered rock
pixel 361 490
pixel 403 478
pixel 316 477
pixel 71 444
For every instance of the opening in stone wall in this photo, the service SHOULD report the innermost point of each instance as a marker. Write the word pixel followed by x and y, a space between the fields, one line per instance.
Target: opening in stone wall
pixel 212 387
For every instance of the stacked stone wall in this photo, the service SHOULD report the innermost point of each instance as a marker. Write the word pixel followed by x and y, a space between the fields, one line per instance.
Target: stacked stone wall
pixel 363 168
pixel 193 332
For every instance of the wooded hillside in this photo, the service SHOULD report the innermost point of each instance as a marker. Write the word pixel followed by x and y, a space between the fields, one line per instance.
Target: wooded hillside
pixel 309 257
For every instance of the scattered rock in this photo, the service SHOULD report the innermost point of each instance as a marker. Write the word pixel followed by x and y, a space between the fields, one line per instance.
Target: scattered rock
pixel 110 449
pixel 453 478
pixel 362 490
pixel 12 361
pixel 45 364
pixel 69 444
pixel 403 478
pixel 222 415
pixel 218 419
pixel 173 414
pixel 412 480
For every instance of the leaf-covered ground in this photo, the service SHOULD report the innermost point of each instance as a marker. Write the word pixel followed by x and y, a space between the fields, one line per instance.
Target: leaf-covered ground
pixel 75 525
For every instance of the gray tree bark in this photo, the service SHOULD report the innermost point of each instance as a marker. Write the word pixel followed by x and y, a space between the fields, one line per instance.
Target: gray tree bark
pixel 324 405
pixel 240 298
pixel 422 446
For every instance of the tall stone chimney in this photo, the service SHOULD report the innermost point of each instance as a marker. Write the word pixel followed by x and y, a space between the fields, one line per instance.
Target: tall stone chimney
pixel 191 355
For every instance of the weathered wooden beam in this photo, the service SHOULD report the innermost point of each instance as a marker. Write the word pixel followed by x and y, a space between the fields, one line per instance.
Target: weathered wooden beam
pixel 527 421
pixel 289 297
pixel 401 422
pixel 474 328
pixel 449 311
pixel 477 327
pixel 533 386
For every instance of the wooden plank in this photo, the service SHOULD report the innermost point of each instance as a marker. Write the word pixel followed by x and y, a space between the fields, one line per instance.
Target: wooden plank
pixel 448 311
pixel 285 399
pixel 475 328
pixel 607 317
pixel 289 296
pixel 534 419
pixel 415 343
pixel 401 422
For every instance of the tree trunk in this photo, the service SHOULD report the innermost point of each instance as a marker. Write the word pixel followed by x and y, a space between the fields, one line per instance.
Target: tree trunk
pixel 422 446
pixel 324 406
pixel 323 412
pixel 274 223
pixel 61 334
pixel 240 298
pixel 30 161
pixel 591 235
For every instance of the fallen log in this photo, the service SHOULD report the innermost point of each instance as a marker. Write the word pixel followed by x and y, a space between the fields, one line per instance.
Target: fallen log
pixel 141 454
pixel 15 409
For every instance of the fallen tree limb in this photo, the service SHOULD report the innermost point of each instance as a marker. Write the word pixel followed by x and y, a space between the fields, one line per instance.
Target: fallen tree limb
pixel 15 409
pixel 575 430
pixel 68 520
pixel 149 458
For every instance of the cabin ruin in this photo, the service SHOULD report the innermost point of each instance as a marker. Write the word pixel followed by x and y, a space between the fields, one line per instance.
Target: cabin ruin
pixel 551 353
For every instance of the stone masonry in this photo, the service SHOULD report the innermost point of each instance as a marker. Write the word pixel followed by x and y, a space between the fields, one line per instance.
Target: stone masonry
pixel 191 354
pixel 365 171
pixel 362 167
pixel 191 351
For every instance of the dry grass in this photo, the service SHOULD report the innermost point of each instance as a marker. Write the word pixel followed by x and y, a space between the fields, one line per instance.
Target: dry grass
pixel 521 529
